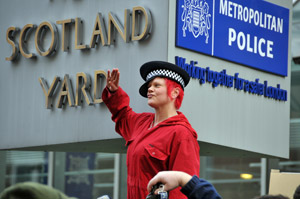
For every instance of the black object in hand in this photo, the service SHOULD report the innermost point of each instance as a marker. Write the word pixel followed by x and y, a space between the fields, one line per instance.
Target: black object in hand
pixel 161 194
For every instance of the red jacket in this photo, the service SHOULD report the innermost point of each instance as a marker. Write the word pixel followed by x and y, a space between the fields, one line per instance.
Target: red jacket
pixel 170 145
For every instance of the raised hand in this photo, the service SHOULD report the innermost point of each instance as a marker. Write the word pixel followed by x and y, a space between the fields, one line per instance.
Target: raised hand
pixel 112 81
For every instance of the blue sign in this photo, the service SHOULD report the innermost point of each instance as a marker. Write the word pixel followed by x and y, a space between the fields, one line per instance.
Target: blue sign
pixel 253 33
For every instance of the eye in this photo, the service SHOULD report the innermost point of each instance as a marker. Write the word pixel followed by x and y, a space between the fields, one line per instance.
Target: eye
pixel 156 85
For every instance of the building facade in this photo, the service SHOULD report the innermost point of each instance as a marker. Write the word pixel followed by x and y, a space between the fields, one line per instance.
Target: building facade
pixel 242 99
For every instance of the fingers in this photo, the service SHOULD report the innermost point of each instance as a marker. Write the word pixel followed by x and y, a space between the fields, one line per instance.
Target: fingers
pixel 151 183
pixel 112 81
pixel 108 77
pixel 115 75
pixel 112 74
pixel 171 179
pixel 117 78
pixel 158 178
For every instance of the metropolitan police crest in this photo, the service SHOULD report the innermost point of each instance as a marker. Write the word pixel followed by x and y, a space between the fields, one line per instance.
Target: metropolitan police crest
pixel 196 18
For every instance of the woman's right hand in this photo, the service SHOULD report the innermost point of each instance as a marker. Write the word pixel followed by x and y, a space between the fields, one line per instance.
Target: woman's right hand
pixel 112 80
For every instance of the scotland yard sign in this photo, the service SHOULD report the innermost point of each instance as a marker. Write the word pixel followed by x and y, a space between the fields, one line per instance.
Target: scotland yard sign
pixel 252 33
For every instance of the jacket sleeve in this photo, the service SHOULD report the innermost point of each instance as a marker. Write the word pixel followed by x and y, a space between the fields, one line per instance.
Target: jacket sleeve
pixel 200 188
pixel 185 154
pixel 122 114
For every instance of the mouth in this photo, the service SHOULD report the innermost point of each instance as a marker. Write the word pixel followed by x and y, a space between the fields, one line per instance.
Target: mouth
pixel 149 96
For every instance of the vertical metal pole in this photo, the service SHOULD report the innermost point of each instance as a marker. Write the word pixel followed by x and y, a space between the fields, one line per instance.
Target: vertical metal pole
pixel 116 175
pixel 203 172
pixel 271 164
pixel 51 161
pixel 2 169
pixel 14 174
pixel 263 176
pixel 123 177
pixel 59 171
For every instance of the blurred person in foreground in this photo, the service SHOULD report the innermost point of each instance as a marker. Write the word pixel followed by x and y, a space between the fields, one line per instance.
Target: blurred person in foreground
pixel 272 197
pixel 297 193
pixel 32 190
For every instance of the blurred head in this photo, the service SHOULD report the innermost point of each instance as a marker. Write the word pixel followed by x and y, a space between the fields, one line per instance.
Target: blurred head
pixel 32 190
pixel 272 197
pixel 297 193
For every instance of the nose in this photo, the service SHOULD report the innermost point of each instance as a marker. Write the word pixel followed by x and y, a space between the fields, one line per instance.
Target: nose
pixel 150 89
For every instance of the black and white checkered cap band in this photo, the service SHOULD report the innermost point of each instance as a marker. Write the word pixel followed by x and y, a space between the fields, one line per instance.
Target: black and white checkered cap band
pixel 166 73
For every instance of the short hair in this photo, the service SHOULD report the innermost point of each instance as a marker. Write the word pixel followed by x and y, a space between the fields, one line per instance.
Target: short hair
pixel 272 197
pixel 297 193
pixel 170 86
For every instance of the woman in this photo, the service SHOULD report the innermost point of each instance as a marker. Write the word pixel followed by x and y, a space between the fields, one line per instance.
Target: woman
pixel 158 141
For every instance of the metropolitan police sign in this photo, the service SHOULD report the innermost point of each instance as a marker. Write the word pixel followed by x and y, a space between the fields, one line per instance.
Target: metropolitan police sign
pixel 252 33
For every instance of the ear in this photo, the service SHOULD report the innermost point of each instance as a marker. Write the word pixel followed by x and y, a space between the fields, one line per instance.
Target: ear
pixel 175 92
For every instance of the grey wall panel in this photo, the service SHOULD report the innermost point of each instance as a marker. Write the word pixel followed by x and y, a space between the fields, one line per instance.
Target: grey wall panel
pixel 25 122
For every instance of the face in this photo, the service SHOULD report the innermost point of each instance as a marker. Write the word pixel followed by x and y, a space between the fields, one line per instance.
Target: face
pixel 157 93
